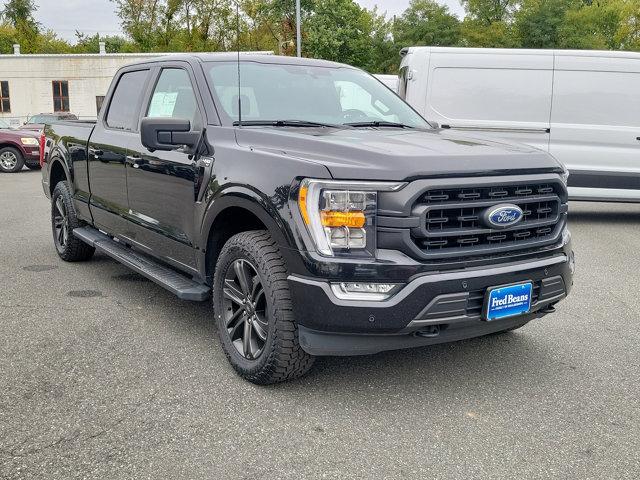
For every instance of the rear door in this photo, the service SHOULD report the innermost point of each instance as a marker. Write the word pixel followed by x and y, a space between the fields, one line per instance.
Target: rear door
pixel 505 95
pixel 163 186
pixel 595 123
pixel 114 133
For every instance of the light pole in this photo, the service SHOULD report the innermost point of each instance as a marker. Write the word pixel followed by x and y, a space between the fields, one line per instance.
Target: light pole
pixel 298 35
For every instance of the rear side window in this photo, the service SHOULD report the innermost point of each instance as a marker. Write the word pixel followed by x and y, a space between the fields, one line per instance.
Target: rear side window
pixel 125 100
pixel 510 95
pixel 596 98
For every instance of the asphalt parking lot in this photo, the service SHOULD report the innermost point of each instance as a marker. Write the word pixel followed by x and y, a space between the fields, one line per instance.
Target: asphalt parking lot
pixel 106 375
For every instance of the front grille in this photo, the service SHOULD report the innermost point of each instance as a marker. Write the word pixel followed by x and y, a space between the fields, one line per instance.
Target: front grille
pixel 451 219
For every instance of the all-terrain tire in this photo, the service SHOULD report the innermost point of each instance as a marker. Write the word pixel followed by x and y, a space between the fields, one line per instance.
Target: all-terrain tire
pixel 281 358
pixel 63 221
pixel 11 160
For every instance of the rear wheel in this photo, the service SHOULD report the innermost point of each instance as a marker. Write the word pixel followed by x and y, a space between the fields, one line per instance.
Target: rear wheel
pixel 63 222
pixel 253 311
pixel 11 160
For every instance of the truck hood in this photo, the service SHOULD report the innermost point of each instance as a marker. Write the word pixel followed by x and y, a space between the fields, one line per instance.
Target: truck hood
pixel 394 154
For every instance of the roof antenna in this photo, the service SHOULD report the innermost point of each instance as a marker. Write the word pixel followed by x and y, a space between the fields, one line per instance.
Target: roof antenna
pixel 238 48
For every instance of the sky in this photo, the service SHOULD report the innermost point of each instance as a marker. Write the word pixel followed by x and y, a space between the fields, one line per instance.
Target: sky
pixel 91 16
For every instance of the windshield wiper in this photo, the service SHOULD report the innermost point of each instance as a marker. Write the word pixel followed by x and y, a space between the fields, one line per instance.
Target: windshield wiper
pixel 285 123
pixel 378 123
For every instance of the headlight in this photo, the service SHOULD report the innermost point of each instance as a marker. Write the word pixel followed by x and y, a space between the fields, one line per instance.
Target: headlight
pixel 29 141
pixel 341 216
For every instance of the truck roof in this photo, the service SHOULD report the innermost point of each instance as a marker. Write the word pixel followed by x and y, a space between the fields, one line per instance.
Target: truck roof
pixel 244 57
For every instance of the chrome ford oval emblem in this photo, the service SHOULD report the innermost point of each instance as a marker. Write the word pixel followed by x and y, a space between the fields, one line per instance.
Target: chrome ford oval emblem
pixel 502 216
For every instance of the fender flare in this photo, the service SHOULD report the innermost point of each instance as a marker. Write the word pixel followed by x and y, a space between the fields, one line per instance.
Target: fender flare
pixel 13 144
pixel 65 167
pixel 253 202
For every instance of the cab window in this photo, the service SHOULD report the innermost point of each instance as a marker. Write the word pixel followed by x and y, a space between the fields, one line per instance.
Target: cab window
pixel 174 97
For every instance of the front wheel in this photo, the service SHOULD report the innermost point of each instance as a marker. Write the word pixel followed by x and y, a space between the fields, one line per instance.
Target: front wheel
pixel 63 221
pixel 253 311
pixel 11 160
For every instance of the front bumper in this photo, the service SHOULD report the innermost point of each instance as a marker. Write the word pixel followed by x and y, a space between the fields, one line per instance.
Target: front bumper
pixel 431 308
pixel 32 155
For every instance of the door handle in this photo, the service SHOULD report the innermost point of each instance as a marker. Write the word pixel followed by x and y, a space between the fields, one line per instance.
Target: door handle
pixel 638 138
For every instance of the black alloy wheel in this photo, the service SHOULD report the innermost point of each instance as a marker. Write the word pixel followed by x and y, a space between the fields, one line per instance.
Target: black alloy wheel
pixel 60 225
pixel 244 308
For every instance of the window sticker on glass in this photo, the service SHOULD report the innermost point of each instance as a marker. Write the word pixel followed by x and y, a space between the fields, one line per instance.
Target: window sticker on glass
pixel 163 104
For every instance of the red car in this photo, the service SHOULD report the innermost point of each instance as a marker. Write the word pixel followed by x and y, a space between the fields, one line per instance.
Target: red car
pixel 18 148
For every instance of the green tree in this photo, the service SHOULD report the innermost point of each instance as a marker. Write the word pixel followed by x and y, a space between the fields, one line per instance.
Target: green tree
pixel 592 26
pixel 91 44
pixel 426 22
pixel 628 33
pixel 339 30
pixel 489 23
pixel 538 22
pixel 8 37
pixel 20 15
pixel 385 53
pixel 490 11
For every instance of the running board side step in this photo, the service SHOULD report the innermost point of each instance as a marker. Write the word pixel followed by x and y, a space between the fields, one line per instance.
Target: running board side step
pixel 180 285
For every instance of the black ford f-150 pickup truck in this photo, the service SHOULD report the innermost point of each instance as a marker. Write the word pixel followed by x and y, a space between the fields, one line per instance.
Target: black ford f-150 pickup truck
pixel 321 214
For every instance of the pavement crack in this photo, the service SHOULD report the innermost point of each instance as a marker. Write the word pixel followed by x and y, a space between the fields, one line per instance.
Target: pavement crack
pixel 16 453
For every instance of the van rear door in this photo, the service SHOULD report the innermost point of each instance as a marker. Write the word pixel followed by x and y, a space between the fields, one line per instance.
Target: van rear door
pixel 503 94
pixel 595 124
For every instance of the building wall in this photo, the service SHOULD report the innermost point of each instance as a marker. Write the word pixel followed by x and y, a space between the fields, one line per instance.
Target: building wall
pixel 30 80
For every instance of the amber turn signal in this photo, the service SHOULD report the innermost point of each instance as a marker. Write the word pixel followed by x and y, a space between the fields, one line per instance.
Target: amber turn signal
pixel 302 203
pixel 343 219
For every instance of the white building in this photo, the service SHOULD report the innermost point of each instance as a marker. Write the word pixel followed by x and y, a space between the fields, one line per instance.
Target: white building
pixel 74 83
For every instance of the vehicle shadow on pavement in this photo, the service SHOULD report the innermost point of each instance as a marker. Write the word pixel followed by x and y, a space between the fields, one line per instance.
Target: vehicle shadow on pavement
pixel 495 358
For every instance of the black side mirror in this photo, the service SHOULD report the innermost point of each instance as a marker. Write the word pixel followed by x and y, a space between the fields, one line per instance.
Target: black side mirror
pixel 159 133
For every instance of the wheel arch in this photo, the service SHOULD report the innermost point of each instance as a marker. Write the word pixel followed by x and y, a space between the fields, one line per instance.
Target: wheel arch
pixel 234 213
pixel 58 172
pixel 8 143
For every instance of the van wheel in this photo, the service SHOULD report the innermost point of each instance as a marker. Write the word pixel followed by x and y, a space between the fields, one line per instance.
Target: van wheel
pixel 253 311
pixel 11 160
pixel 63 222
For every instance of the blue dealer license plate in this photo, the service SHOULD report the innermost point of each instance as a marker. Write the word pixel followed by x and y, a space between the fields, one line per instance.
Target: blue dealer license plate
pixel 508 301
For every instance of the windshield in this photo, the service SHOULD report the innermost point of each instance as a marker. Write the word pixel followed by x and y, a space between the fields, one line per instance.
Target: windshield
pixel 4 124
pixel 333 96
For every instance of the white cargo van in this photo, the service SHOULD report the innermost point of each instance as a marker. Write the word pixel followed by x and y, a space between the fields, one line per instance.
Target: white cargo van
pixel 581 106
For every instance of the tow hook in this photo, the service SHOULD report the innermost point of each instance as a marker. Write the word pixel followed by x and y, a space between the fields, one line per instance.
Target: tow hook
pixel 429 331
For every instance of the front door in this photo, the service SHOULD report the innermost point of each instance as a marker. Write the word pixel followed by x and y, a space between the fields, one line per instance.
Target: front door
pixel 162 186
pixel 109 141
